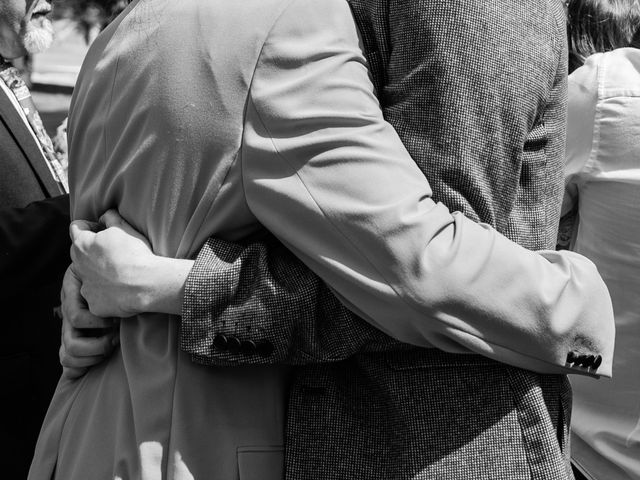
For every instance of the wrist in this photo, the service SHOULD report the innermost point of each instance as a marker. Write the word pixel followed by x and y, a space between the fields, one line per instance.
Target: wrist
pixel 163 286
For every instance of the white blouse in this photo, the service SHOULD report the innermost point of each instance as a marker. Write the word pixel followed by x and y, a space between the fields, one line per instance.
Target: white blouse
pixel 603 179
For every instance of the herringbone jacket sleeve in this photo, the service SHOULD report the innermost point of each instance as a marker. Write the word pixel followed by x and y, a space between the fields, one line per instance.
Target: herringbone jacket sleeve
pixel 258 303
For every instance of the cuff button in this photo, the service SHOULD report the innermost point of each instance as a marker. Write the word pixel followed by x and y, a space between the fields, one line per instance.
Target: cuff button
pixel 234 345
pixel 221 342
pixel 248 347
pixel 597 362
pixel 582 360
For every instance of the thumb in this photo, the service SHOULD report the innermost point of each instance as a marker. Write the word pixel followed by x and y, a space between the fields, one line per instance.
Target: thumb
pixel 79 227
pixel 111 218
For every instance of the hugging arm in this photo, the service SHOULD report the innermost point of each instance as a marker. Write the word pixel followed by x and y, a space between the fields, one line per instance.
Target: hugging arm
pixel 265 297
pixel 332 181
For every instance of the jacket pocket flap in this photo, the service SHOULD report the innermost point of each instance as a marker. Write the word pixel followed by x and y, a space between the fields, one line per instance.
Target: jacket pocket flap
pixel 423 358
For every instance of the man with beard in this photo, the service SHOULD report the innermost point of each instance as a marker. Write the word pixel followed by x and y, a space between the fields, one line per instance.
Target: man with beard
pixel 34 214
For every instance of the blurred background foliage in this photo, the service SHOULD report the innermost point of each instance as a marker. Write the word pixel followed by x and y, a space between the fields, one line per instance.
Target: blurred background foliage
pixel 90 16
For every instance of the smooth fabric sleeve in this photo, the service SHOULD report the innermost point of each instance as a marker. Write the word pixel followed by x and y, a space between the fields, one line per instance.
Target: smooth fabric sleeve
pixel 330 179
pixel 34 245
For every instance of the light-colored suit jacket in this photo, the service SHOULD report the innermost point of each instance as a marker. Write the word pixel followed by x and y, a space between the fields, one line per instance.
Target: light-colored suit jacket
pixel 303 151
pixel 315 164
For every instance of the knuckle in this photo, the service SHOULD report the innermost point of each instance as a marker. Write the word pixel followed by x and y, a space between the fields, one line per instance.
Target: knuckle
pixel 92 309
pixel 101 237
pixel 97 311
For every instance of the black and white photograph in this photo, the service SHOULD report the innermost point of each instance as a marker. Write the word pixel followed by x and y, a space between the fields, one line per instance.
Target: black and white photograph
pixel 320 239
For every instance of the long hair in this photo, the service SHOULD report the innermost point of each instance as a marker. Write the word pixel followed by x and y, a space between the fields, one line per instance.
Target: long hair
pixel 601 26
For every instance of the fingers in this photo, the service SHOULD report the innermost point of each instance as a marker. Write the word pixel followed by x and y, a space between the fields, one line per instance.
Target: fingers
pixel 73 373
pixel 74 308
pixel 82 233
pixel 86 339
pixel 81 318
pixel 76 352
pixel 78 227
pixel 69 361
pixel 80 343
pixel 65 283
pixel 111 218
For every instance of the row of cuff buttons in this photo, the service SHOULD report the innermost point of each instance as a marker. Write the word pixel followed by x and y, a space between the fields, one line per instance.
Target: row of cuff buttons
pixel 232 344
pixel 589 361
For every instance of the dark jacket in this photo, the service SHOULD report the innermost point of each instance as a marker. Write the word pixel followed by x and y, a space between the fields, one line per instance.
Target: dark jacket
pixel 34 253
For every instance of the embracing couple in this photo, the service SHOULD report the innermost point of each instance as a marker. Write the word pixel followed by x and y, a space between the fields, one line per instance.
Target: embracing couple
pixel 338 321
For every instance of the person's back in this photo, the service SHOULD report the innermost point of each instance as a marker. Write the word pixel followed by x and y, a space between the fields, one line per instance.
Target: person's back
pixel 158 152
pixel 603 182
pixel 477 93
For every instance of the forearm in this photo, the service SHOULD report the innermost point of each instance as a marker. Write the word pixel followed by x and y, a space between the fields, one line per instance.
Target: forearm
pixel 262 295
pixel 120 274
pixel 157 285
pixel 259 297
pixel 161 285
pixel 332 181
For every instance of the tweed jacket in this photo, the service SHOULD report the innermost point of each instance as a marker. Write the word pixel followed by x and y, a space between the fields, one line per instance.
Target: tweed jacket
pixel 34 253
pixel 477 92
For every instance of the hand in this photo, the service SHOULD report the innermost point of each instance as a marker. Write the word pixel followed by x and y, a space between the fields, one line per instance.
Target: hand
pixel 110 264
pixel 120 274
pixel 86 339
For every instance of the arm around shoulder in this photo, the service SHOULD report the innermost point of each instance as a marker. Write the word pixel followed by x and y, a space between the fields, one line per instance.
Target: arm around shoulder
pixel 331 179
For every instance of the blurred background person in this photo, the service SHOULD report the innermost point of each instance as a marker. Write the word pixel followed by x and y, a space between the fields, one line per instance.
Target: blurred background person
pixel 603 183
pixel 93 15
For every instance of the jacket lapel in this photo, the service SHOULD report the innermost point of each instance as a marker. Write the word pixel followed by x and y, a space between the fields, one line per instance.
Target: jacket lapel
pixel 27 143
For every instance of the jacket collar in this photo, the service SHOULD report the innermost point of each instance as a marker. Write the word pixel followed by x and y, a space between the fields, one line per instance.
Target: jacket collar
pixel 28 144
